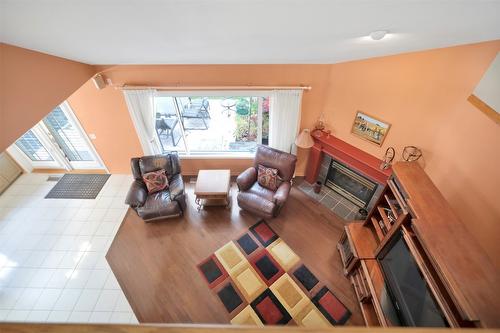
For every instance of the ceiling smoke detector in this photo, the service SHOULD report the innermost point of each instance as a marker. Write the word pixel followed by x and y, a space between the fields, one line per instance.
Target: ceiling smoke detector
pixel 378 35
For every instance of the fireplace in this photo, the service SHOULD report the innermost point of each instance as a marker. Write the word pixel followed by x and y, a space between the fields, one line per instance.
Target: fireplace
pixel 355 181
pixel 350 184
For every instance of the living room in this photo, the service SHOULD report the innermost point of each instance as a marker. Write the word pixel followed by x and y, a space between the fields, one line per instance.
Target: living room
pixel 208 112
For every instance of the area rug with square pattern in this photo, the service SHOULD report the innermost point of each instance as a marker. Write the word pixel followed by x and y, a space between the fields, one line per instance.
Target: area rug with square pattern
pixel 261 281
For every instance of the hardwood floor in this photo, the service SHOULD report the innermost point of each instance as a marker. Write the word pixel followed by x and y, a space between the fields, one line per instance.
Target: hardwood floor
pixel 155 263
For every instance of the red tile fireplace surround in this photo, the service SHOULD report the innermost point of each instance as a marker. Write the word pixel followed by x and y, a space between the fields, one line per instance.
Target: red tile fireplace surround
pixel 345 153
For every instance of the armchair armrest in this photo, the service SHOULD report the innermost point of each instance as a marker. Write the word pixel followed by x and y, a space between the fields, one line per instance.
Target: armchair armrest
pixel 281 193
pixel 137 194
pixel 176 186
pixel 176 190
pixel 246 179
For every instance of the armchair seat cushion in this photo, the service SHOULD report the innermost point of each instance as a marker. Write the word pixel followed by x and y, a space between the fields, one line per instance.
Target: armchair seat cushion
pixel 261 191
pixel 256 204
pixel 159 205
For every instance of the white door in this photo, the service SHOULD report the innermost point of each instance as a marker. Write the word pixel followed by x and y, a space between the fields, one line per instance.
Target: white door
pixel 58 141
pixel 31 153
pixel 9 171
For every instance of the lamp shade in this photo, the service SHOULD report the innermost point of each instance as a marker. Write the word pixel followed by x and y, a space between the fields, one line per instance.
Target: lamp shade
pixel 304 139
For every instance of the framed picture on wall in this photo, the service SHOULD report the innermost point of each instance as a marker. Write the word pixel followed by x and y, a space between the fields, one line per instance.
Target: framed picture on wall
pixel 370 128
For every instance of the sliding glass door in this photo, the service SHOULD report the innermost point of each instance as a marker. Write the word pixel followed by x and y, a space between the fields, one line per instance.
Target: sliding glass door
pixel 58 141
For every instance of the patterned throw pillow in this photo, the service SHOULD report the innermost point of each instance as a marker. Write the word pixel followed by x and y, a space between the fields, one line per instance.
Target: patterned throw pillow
pixel 268 178
pixel 155 181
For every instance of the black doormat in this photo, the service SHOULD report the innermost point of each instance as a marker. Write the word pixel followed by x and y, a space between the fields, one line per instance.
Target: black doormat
pixel 76 186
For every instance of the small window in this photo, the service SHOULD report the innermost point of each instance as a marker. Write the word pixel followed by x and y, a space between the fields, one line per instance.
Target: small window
pixel 33 148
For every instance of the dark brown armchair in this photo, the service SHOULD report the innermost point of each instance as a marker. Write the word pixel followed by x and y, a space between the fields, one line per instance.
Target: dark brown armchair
pixel 260 200
pixel 170 202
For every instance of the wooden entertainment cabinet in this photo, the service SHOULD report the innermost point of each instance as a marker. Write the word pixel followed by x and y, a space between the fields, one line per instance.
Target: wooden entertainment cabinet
pixel 464 282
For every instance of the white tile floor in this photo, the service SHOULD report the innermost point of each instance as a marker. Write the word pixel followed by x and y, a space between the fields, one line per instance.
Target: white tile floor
pixel 52 264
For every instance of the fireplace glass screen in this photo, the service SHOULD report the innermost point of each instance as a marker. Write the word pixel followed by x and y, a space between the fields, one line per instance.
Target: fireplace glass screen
pixel 350 184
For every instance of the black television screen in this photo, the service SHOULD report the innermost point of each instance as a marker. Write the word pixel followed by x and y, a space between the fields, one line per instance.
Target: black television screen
pixel 411 298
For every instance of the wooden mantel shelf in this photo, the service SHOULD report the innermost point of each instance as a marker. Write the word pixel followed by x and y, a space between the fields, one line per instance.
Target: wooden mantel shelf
pixel 345 153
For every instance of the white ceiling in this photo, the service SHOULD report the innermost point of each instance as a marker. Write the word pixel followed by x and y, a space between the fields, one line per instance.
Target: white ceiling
pixel 241 31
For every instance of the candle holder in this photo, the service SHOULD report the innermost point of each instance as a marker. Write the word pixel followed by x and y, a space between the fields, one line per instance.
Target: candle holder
pixel 317 133
pixel 320 123
pixel 388 158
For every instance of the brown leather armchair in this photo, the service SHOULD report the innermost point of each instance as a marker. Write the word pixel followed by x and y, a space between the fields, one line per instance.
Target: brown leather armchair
pixel 170 202
pixel 260 200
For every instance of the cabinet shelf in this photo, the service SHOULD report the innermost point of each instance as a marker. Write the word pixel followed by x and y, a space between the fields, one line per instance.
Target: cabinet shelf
pixel 378 230
pixel 376 284
pixel 361 279
pixel 397 195
pixel 384 217
pixel 391 205
pixel 357 242
pixel 369 314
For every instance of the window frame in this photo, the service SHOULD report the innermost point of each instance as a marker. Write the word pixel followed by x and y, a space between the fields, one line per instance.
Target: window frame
pixel 59 161
pixel 34 157
pixel 26 162
pixel 187 154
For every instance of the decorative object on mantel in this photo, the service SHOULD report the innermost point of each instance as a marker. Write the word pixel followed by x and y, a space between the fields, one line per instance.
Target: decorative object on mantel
pixel 317 187
pixel 369 128
pixel 317 133
pixel 320 124
pixel 328 132
pixel 411 153
pixel 304 139
pixel 388 158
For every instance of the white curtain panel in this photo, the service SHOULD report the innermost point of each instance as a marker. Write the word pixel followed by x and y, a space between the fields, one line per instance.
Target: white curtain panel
pixel 140 105
pixel 284 119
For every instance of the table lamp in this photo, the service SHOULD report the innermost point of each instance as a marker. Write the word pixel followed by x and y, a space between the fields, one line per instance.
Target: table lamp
pixel 304 139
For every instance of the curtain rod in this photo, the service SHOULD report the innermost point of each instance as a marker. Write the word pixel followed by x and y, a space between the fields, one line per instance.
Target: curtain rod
pixel 129 87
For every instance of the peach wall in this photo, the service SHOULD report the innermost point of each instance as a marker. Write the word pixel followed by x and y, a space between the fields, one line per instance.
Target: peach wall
pixel 104 113
pixel 32 85
pixel 467 163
